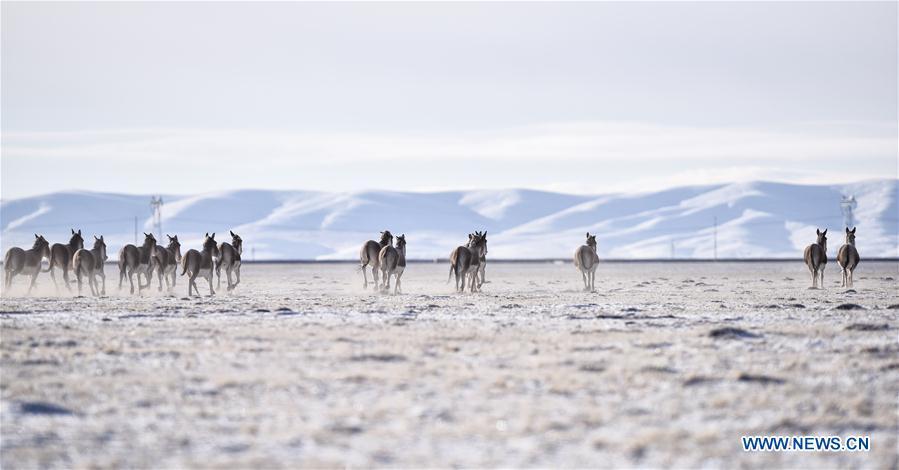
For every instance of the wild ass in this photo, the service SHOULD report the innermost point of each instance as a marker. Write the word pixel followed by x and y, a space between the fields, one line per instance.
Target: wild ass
pixel 166 261
pixel 847 258
pixel 134 260
pixel 482 261
pixel 368 255
pixel 585 260
pixel 229 258
pixel 466 260
pixel 61 255
pixel 27 262
pixel 90 263
pixel 197 263
pixel 393 262
pixel 816 257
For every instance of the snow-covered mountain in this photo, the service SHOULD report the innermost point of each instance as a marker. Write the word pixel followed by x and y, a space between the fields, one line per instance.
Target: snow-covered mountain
pixel 758 219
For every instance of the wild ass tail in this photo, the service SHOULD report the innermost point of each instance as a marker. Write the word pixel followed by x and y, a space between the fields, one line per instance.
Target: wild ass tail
pixel 183 265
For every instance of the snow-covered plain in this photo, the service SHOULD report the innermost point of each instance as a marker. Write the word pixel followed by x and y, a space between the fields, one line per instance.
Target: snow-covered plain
pixel 755 220
pixel 668 364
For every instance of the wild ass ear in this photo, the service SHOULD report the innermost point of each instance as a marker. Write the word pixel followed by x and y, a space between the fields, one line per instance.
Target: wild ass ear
pixel 231 232
pixel 818 231
pixel 37 236
pixel 853 230
pixel 101 238
pixel 213 235
pixel 824 232
pixel 79 232
pixel 73 231
pixel 95 237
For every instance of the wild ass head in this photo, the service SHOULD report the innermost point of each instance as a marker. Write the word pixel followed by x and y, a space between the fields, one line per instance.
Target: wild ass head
pixel 483 236
pixel 401 244
pixel 210 245
pixel 100 247
pixel 175 247
pixel 822 238
pixel 850 236
pixel 386 238
pixel 236 242
pixel 149 241
pixel 477 242
pixel 76 242
pixel 591 241
pixel 41 245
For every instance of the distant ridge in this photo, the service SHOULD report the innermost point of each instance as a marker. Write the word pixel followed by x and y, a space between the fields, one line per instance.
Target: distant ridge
pixel 755 220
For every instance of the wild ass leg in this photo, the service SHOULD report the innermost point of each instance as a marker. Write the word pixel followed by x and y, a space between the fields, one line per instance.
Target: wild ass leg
pixel 586 282
pixel 821 272
pixel 33 281
pixel 92 282
pixel 228 275
pixel 191 283
pixel 131 278
pixel 374 275
pixel 209 279
pixel 65 278
pixel 53 276
pixel 78 277
pixel 103 277
pixel 397 290
pixel 364 278
pixel 237 274
pixel 218 273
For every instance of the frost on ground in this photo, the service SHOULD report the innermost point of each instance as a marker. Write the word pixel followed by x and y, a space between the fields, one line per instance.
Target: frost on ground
pixel 666 365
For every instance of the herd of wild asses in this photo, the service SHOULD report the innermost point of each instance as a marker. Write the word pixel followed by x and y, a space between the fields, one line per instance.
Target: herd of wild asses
pixel 141 260
pixel 385 259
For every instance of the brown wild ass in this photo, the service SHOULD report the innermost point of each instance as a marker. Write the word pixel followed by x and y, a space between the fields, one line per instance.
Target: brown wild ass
pixel 816 258
pixel 393 262
pixel 61 255
pixel 482 262
pixel 368 255
pixel 586 260
pixel 847 258
pixel 197 263
pixel 465 261
pixel 166 261
pixel 134 260
pixel 90 263
pixel 27 262
pixel 229 258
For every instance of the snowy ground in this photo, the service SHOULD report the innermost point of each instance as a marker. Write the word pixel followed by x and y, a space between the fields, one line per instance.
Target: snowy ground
pixel 300 367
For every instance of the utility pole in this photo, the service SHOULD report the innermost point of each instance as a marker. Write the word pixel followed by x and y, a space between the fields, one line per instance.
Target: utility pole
pixel 156 204
pixel 716 239
pixel 847 205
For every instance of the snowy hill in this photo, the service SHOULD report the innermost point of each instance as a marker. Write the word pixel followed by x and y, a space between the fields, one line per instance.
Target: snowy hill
pixel 758 219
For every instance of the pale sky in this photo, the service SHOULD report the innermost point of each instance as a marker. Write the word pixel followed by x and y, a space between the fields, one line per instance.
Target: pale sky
pixel 577 97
